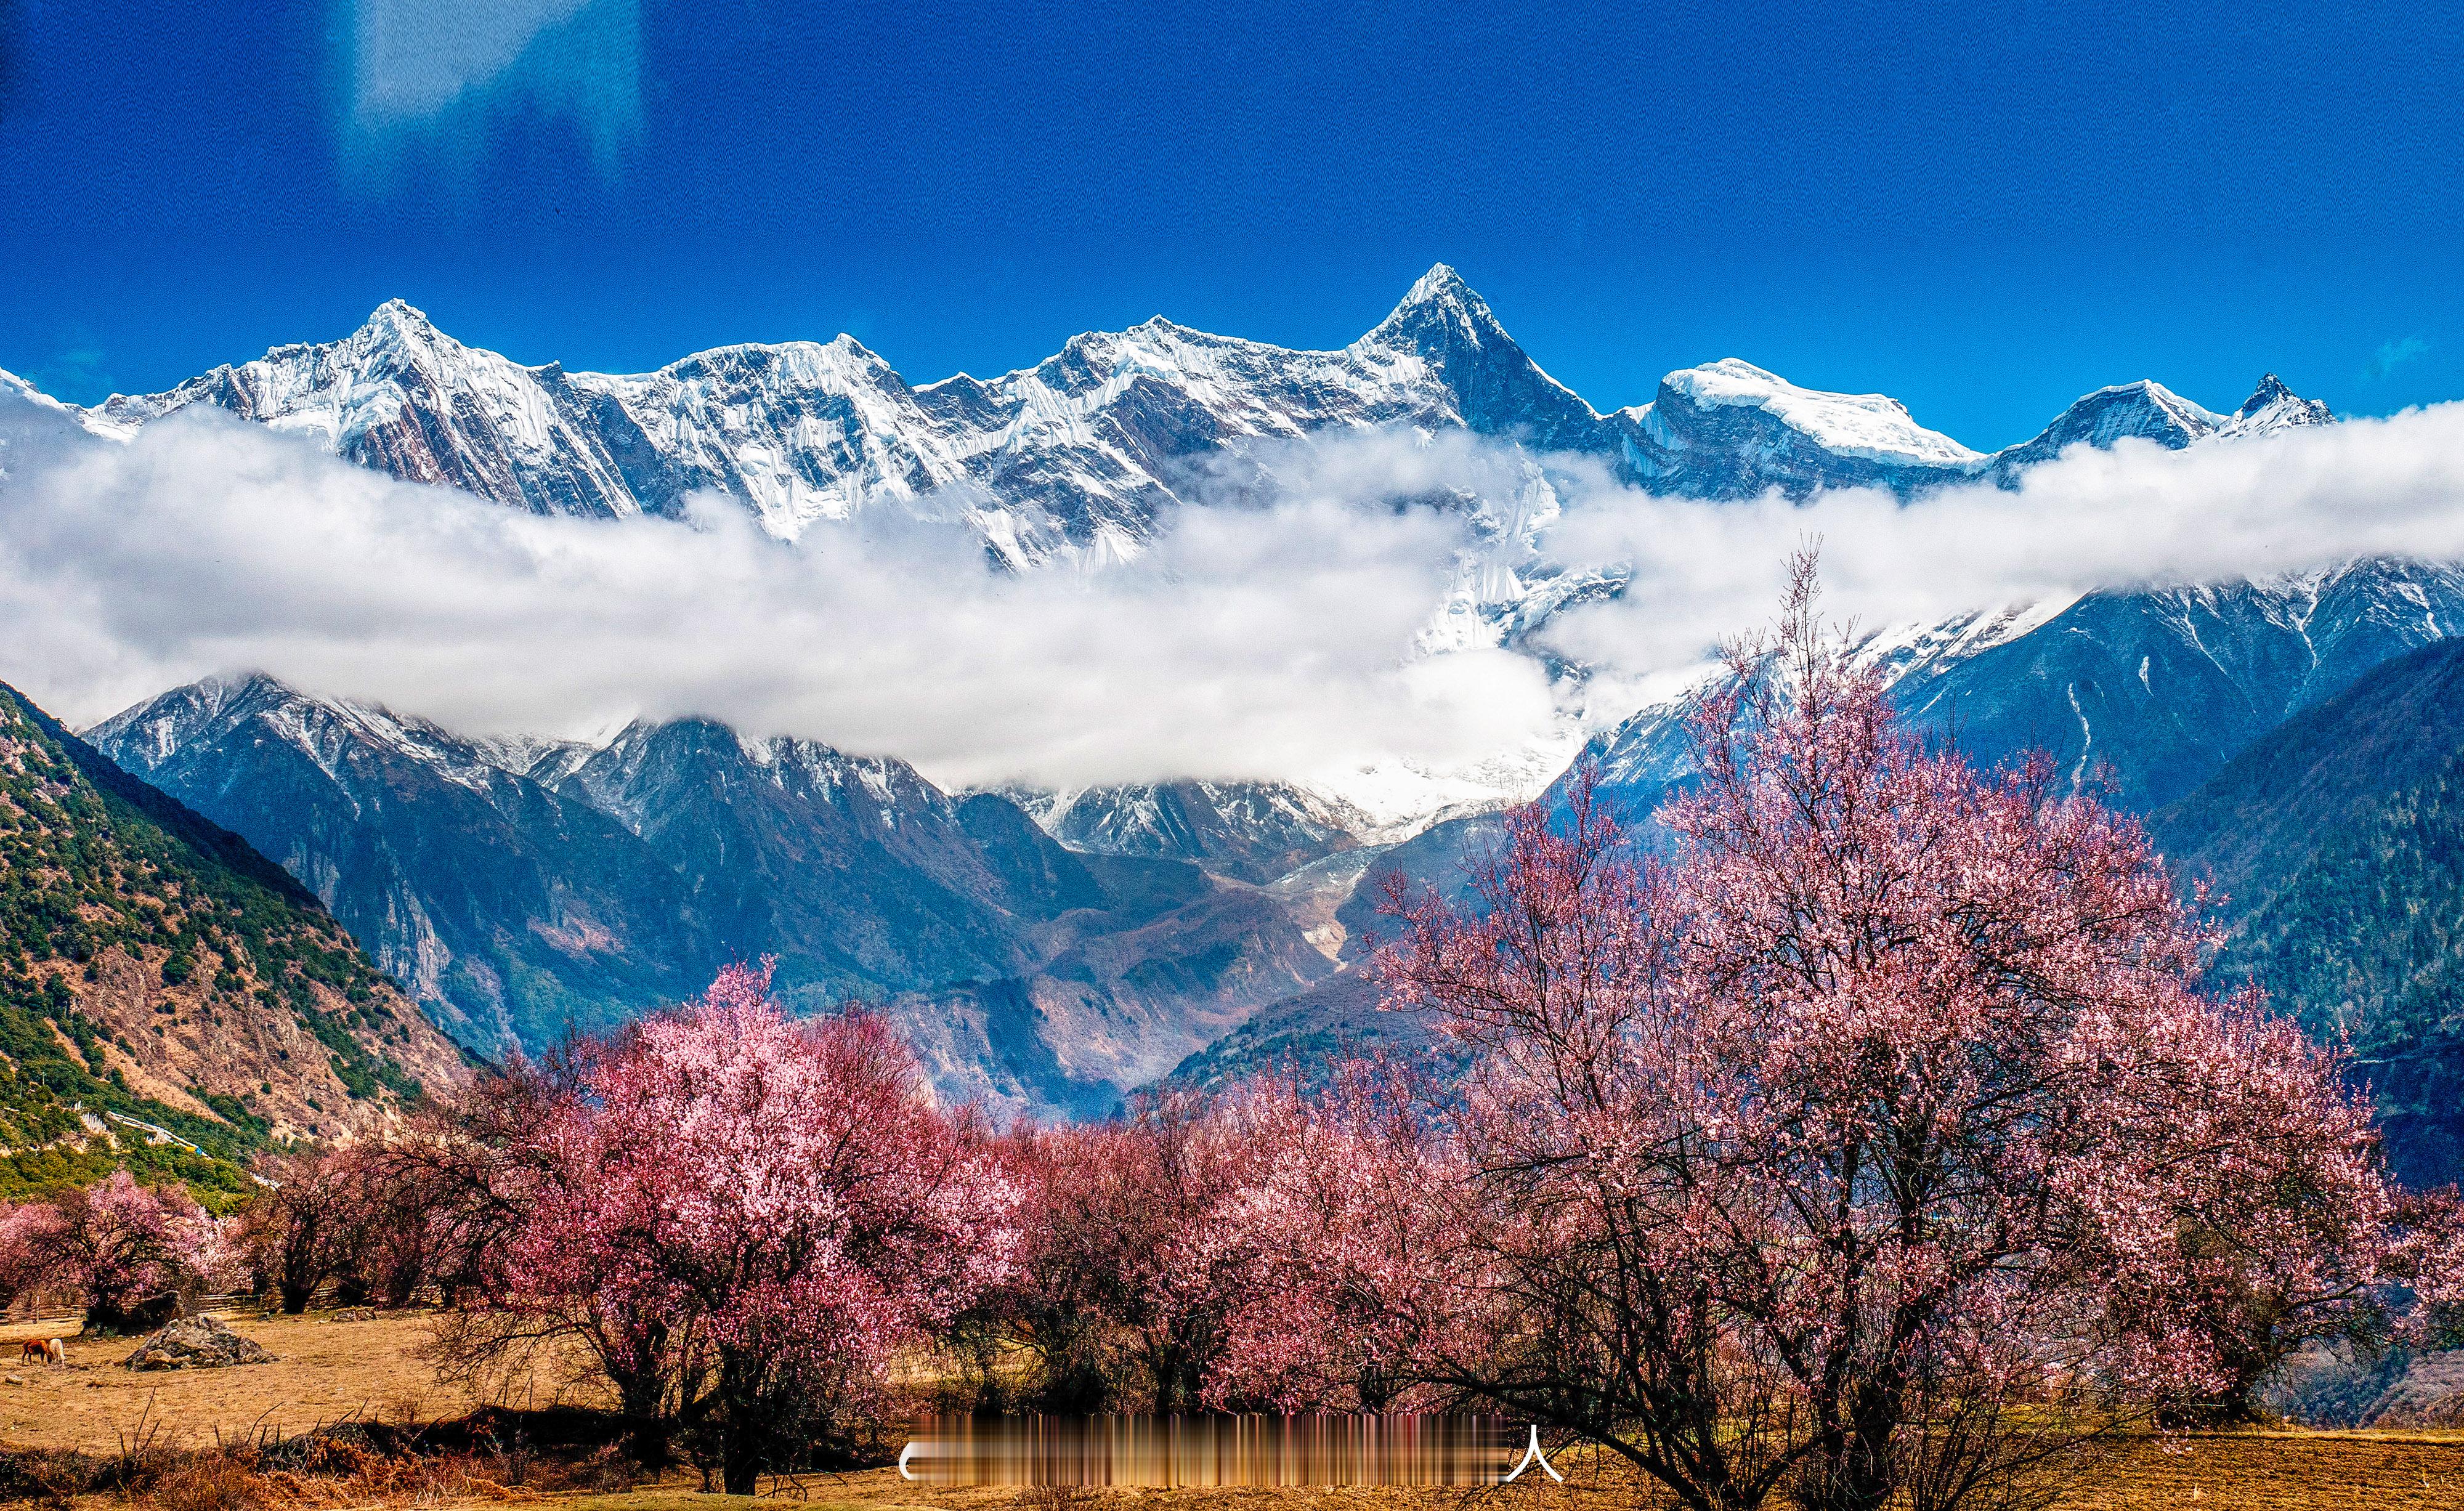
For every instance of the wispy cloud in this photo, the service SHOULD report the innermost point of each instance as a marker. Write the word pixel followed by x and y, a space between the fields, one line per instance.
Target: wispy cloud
pixel 439 74
pixel 74 373
pixel 1288 636
pixel 2135 516
pixel 2391 355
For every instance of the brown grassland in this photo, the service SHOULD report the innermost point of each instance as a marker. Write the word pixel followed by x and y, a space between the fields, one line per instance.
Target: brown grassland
pixel 329 1371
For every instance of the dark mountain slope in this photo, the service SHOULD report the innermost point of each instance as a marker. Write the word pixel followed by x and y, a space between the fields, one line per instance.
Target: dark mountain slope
pixel 514 911
pixel 2260 817
pixel 2338 840
pixel 2154 692
pixel 522 892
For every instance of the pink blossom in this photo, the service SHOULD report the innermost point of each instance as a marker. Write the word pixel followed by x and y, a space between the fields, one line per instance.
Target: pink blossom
pixel 1888 1100
pixel 784 1193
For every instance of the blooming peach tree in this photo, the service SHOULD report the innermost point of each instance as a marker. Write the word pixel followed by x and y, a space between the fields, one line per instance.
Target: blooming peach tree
pixel 136 1255
pixel 1874 1139
pixel 775 1208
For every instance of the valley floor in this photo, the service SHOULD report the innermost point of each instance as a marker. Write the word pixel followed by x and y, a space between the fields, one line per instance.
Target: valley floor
pixel 329 1369
pixel 324 1372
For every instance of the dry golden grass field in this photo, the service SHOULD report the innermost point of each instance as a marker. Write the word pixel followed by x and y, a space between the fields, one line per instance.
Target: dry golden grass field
pixel 323 1370
pixel 327 1370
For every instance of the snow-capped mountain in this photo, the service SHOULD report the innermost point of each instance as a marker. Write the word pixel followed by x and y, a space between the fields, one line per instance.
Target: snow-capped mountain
pixel 2144 694
pixel 2274 407
pixel 1076 454
pixel 506 910
pixel 2143 411
pixel 1728 429
pixel 1079 455
pixel 2150 412
pixel 1253 831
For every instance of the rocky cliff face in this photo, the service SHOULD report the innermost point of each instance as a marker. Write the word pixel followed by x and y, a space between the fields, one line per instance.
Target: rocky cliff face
pixel 524 890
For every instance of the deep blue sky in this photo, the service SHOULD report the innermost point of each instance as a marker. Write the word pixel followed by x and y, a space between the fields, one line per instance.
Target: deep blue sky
pixel 1983 209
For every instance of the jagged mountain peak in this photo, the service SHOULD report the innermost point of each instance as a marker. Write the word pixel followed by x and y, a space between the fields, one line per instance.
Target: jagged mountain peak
pixel 396 337
pixel 398 314
pixel 781 760
pixel 1078 456
pixel 2143 410
pixel 842 345
pixel 328 730
pixel 2274 407
pixel 2270 389
pixel 1439 310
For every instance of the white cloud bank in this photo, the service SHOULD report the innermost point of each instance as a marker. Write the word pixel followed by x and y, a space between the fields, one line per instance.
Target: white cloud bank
pixel 1249 641
pixel 2135 515
pixel 1288 639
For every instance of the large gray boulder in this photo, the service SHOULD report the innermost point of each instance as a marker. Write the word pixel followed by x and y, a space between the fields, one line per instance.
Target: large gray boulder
pixel 195 1343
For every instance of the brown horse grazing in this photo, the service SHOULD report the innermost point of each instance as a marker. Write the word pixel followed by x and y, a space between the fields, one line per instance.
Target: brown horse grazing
pixel 44 1351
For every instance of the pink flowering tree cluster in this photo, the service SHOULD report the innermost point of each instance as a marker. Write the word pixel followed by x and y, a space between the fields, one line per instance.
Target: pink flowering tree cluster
pixel 1117 1299
pixel 1349 1242
pixel 324 1217
pixel 135 1257
pixel 1877 1142
pixel 745 1218
pixel 1152 1243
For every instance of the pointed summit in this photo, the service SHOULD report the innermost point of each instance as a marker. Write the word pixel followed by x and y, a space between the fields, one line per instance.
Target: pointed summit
pixel 1440 309
pixel 398 317
pixel 2274 407
pixel 2145 409
pixel 1498 390
pixel 2270 389
pixel 1442 282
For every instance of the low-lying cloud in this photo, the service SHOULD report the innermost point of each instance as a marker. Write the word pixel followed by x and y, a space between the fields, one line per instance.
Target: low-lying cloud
pixel 1248 641
pixel 2135 515
pixel 1295 636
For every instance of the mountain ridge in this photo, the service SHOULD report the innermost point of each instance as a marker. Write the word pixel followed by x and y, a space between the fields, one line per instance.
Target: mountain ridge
pixel 1080 454
pixel 522 890
pixel 2336 844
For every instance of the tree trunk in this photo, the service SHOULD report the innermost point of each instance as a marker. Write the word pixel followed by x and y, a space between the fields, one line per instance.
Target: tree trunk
pixel 739 1461
pixel 740 1428
pixel 130 1318
pixel 647 1428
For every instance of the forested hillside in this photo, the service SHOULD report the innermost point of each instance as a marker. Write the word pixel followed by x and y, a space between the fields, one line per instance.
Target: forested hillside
pixel 2338 842
pixel 154 968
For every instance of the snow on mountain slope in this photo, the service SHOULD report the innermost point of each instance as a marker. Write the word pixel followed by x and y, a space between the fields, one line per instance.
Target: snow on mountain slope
pixel 2150 412
pixel 1074 455
pixel 1253 831
pixel 508 911
pixel 1078 455
pixel 1728 429
pixel 521 889
pixel 2145 693
pixel 2272 408
pixel 1869 427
